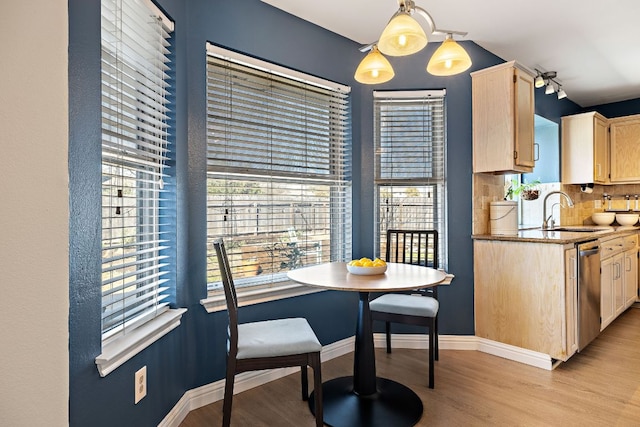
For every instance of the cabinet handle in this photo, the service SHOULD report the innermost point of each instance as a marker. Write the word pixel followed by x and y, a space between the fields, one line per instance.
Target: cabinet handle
pixel 574 269
pixel 536 150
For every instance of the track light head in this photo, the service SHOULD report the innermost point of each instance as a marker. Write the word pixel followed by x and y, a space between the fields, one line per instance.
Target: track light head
pixel 561 93
pixel 550 88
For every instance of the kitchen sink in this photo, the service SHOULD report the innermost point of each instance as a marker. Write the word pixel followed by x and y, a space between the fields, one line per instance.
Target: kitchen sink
pixel 581 229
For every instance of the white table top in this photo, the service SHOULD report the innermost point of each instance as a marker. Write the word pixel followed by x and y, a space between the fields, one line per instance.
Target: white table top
pixel 398 277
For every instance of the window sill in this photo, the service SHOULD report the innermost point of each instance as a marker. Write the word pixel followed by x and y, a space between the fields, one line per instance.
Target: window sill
pixel 122 349
pixel 257 294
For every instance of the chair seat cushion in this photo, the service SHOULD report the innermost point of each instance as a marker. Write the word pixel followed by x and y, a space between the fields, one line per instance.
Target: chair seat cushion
pixel 281 337
pixel 412 305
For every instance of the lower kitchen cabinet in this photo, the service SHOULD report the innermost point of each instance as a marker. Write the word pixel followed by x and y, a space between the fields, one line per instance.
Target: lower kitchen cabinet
pixel 526 296
pixel 619 276
pixel 631 272
pixel 611 288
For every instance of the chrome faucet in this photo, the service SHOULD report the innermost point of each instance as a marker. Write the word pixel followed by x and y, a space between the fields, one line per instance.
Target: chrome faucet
pixel 545 219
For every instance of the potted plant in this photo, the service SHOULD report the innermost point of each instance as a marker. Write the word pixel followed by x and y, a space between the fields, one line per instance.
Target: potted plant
pixel 525 190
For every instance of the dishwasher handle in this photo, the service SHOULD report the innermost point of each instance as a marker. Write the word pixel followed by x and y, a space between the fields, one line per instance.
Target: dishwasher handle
pixel 589 252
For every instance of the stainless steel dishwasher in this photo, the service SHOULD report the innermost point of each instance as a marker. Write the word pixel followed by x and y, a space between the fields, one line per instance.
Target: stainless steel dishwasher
pixel 588 292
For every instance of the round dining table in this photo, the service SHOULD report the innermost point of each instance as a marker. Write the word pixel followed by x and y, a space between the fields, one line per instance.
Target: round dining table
pixel 364 399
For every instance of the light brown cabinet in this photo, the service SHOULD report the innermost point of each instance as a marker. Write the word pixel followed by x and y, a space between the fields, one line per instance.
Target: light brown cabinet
pixel 585 149
pixel 607 294
pixel 503 119
pixel 625 149
pixel 630 272
pixel 525 295
pixel 619 277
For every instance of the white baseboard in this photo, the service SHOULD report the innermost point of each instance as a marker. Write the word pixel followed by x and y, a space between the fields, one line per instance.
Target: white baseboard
pixel 213 392
pixel 522 355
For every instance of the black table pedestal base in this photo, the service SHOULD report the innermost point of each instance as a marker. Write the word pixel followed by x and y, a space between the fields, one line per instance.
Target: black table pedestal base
pixel 394 405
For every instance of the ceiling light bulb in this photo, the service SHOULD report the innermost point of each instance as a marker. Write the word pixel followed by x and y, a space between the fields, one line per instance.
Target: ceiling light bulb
pixel 539 82
pixel 374 69
pixel 449 59
pixel 562 94
pixel 549 89
pixel 402 36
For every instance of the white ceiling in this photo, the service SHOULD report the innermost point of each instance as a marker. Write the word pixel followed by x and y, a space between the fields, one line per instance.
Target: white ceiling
pixel 593 45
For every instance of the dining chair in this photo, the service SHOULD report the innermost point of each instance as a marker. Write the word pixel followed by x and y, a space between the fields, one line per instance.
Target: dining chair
pixel 418 307
pixel 269 344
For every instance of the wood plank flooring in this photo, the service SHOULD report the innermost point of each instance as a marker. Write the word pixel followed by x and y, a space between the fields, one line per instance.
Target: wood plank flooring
pixel 598 387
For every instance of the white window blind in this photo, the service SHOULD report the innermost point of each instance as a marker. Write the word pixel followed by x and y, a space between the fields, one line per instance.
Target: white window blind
pixel 410 180
pixel 279 182
pixel 135 49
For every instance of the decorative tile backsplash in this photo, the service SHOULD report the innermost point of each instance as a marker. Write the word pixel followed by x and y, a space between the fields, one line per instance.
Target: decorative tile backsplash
pixel 490 188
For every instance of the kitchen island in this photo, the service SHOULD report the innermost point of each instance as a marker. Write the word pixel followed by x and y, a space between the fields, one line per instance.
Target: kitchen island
pixel 525 291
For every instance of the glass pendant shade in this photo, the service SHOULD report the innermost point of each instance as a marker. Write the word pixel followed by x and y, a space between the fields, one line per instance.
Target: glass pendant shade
pixel 374 69
pixel 539 82
pixel 402 36
pixel 549 89
pixel 562 94
pixel 449 59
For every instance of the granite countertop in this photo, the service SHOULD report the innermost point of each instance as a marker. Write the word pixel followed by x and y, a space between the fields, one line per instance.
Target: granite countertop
pixel 560 235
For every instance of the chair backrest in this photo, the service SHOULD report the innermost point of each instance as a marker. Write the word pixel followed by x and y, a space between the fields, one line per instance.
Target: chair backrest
pixel 229 294
pixel 419 247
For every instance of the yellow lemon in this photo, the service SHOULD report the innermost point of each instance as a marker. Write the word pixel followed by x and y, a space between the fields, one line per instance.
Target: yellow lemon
pixel 356 263
pixel 379 263
pixel 367 263
pixel 364 259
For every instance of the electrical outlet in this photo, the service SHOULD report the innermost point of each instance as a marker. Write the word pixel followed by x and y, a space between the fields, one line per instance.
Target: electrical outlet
pixel 597 204
pixel 140 384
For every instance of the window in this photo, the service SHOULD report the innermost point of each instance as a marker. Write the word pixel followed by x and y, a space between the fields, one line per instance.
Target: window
pixel 135 84
pixel 409 137
pixel 278 174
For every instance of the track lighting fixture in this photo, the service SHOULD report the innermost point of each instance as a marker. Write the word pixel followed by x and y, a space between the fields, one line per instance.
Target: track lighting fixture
pixel 403 36
pixel 548 80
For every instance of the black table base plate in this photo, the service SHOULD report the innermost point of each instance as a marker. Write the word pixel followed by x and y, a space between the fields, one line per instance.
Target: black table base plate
pixel 394 405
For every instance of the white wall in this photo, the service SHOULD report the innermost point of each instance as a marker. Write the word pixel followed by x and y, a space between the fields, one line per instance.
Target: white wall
pixel 34 214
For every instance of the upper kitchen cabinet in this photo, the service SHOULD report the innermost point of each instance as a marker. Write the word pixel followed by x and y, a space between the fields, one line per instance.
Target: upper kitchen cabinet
pixel 625 149
pixel 585 150
pixel 503 119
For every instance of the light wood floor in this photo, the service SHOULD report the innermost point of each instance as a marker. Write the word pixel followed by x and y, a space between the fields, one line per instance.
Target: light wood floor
pixel 598 387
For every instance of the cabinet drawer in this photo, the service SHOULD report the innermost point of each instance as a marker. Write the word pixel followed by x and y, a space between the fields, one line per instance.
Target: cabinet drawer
pixel 609 248
pixel 630 242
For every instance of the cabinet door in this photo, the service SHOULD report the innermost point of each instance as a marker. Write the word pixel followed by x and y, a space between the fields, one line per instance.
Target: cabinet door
pixel 618 284
pixel 607 312
pixel 630 277
pixel 571 295
pixel 600 150
pixel 525 109
pixel 585 149
pixel 503 119
pixel 625 155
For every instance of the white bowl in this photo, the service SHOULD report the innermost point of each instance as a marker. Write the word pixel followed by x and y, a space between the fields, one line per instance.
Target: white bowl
pixel 603 218
pixel 626 218
pixel 366 271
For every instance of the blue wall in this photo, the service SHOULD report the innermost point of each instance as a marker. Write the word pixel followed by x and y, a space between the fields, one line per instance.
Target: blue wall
pixel 617 109
pixel 193 354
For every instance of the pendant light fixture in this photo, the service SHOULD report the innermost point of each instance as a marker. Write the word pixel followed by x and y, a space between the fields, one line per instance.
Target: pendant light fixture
pixel 374 68
pixel 403 36
pixel 449 59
